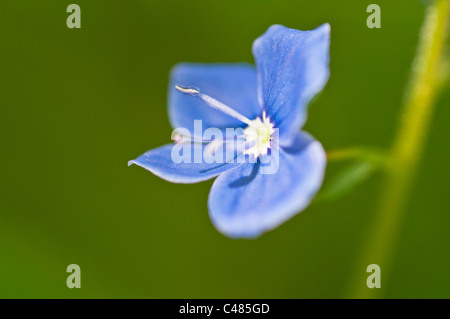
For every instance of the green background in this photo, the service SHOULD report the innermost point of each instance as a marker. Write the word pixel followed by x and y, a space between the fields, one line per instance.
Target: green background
pixel 77 104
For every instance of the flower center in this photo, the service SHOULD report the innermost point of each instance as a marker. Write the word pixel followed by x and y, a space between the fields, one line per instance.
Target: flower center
pixel 258 136
pixel 258 133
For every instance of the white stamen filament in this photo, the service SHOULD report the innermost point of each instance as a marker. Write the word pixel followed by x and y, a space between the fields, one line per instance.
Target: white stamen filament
pixel 213 103
pixel 258 133
pixel 180 138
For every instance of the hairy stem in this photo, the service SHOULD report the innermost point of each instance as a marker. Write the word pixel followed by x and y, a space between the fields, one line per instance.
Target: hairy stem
pixel 408 146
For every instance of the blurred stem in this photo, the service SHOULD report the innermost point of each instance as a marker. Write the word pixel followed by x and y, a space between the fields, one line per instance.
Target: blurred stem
pixel 371 155
pixel 407 148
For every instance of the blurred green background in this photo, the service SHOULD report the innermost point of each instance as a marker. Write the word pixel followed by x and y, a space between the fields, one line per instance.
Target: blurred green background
pixel 77 104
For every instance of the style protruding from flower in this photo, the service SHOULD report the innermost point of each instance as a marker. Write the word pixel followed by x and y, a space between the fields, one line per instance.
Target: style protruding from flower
pixel 275 169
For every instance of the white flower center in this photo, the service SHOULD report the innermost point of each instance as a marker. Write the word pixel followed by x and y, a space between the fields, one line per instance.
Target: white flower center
pixel 258 133
pixel 258 136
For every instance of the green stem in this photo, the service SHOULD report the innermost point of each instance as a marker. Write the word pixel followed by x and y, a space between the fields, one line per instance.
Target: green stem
pixel 368 154
pixel 407 147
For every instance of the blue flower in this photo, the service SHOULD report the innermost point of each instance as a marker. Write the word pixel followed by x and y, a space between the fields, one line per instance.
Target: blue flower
pixel 244 202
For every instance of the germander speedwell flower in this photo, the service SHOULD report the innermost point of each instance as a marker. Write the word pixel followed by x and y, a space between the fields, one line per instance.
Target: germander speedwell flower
pixel 268 105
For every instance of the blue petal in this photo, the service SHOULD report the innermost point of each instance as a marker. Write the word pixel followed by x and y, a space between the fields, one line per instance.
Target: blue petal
pixel 159 162
pixel 243 203
pixel 292 67
pixel 232 84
